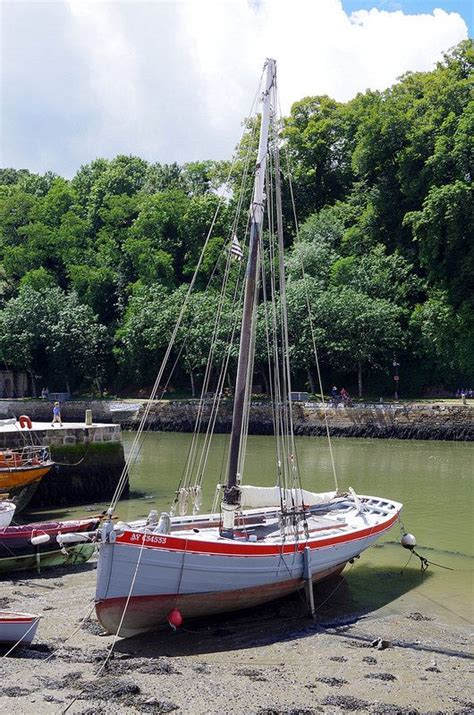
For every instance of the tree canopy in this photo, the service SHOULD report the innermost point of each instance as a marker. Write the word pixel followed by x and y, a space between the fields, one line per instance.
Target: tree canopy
pixel 93 269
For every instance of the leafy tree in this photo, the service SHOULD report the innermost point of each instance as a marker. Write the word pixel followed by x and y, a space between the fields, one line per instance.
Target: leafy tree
pixel 150 320
pixel 96 287
pixel 378 275
pixel 39 279
pixel 123 176
pixel 352 331
pixel 318 147
pixel 444 337
pixel 164 177
pixel 49 334
pixel 17 208
pixel 443 229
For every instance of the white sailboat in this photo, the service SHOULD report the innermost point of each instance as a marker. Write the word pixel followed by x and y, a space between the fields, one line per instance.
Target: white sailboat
pixel 259 543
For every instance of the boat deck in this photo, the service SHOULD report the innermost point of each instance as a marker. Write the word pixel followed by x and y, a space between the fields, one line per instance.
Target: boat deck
pixel 263 526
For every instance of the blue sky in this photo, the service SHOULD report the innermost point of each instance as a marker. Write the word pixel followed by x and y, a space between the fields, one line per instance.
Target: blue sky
pixel 465 8
pixel 172 81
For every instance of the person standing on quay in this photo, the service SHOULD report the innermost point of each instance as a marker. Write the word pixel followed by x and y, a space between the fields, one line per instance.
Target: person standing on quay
pixel 56 415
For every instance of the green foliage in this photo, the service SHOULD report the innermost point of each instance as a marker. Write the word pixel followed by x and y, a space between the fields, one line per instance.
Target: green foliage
pixel 351 330
pixel 382 183
pixel 378 275
pixel 39 279
pixel 444 336
pixel 50 334
pixel 319 150
pixel 444 230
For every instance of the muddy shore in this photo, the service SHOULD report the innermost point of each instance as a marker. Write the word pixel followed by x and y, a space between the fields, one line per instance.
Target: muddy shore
pixel 271 661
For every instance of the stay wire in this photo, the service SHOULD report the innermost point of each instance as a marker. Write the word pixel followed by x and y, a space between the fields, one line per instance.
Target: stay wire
pixel 144 419
pixel 311 324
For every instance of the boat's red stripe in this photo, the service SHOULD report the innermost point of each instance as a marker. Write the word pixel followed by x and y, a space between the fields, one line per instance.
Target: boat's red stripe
pixel 234 548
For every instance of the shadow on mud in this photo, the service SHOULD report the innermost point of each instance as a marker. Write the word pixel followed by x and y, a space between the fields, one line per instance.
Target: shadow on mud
pixel 339 602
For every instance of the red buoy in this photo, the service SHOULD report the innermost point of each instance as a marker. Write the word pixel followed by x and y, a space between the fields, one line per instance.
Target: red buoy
pixel 175 619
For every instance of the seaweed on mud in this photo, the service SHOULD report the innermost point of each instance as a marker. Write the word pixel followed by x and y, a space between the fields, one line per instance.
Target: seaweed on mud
pixel 390 709
pixel 346 702
pixel 416 616
pixel 91 626
pixel 4 602
pixel 202 668
pixel 252 673
pixel 333 682
pixel 109 689
pixel 38 651
pixel 15 692
pixel 47 697
pixel 338 658
pixel 465 703
pixel 81 655
pixel 381 676
pixel 26 594
pixel 160 666
pixel 70 680
pixel 154 705
pixel 369 659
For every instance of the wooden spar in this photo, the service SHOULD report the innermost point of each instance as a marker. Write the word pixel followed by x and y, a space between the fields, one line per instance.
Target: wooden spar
pixel 231 494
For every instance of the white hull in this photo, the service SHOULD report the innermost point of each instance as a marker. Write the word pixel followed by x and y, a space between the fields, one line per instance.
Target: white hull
pixel 200 572
pixel 7 510
pixel 17 627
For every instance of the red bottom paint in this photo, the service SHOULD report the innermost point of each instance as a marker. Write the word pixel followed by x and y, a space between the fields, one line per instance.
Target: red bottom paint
pixel 147 612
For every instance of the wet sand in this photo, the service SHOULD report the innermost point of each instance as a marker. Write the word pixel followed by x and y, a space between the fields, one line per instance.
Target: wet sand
pixel 271 661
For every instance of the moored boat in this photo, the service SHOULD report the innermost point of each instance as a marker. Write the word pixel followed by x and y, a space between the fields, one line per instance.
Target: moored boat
pixel 23 468
pixel 199 572
pixel 17 628
pixel 259 543
pixel 42 544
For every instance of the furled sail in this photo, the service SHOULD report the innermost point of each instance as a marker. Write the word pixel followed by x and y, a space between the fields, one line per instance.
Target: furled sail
pixel 255 497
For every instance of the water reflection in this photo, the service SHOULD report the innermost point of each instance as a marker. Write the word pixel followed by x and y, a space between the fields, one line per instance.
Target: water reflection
pixel 432 479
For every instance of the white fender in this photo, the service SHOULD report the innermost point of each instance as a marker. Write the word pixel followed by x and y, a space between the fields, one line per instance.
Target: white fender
pixel 71 538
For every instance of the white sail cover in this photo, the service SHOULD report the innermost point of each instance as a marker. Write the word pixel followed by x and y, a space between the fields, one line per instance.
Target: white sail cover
pixel 255 497
pixel 8 421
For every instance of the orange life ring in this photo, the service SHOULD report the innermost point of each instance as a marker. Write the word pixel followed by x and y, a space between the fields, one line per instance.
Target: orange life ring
pixel 25 421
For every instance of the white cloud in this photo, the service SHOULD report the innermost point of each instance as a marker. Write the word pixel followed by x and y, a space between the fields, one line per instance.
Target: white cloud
pixel 173 80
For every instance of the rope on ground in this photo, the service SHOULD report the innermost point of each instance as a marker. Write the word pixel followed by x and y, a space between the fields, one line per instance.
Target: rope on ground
pixel 117 633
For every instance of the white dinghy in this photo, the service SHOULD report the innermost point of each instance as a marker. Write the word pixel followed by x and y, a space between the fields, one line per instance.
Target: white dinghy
pixel 17 628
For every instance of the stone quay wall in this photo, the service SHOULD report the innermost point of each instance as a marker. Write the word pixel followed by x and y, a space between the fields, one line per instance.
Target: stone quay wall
pixel 435 421
pixel 71 411
pixel 428 422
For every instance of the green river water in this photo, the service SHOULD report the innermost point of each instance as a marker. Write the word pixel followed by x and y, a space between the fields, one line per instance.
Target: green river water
pixel 434 481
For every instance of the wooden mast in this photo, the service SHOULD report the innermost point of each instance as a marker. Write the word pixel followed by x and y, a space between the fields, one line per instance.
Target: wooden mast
pixel 231 494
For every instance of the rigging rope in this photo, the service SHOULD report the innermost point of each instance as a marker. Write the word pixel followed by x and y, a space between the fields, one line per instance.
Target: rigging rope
pixel 311 324
pixel 134 450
